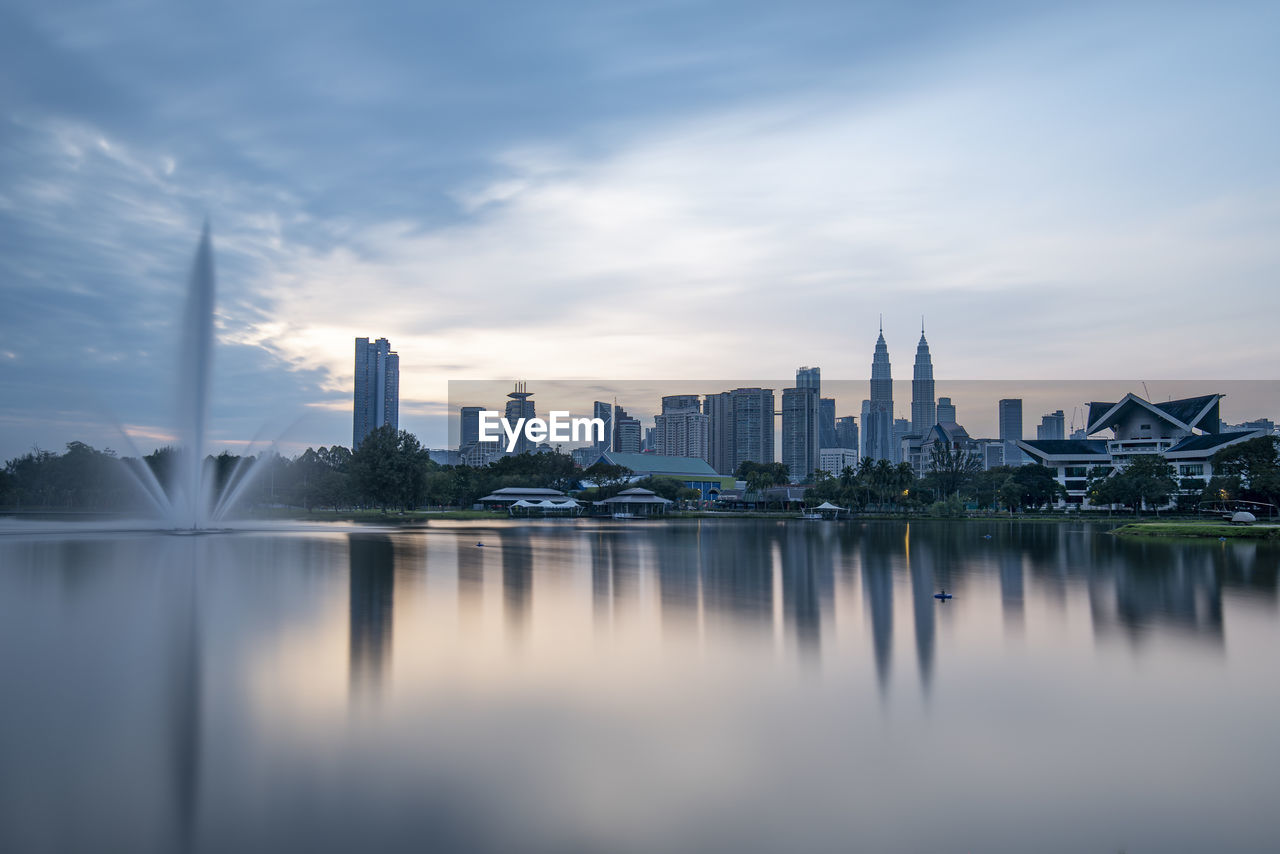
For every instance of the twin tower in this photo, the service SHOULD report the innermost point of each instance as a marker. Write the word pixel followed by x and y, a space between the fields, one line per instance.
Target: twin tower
pixel 880 440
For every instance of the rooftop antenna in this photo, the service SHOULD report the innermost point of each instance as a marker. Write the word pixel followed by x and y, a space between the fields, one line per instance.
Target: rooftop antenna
pixel 1145 393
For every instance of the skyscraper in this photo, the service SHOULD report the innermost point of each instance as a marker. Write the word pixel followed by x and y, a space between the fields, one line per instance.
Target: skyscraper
pixel 847 432
pixel 827 423
pixel 877 421
pixel 719 411
pixel 603 411
pixel 626 432
pixel 1052 426
pixel 377 395
pixel 946 411
pixel 800 430
pixel 809 378
pixel 924 412
pixel 1010 413
pixel 469 426
pixel 751 410
pixel 681 429
pixel 520 406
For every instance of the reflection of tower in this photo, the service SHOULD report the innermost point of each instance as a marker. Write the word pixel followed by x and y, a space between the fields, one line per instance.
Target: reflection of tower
pixel 920 566
pixel 801 582
pixel 372 590
pixel 1011 595
pixel 517 579
pixel 877 584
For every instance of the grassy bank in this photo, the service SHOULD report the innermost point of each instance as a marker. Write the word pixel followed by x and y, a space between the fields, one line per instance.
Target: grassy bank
pixel 1199 530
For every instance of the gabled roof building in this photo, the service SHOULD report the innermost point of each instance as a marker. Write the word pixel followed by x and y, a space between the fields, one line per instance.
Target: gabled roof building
pixel 1187 433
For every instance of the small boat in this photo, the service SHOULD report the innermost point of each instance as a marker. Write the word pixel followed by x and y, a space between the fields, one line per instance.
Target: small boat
pixel 621 515
pixel 944 596
pixel 810 515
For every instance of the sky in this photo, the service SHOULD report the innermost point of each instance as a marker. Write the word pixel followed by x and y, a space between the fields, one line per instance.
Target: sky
pixel 619 191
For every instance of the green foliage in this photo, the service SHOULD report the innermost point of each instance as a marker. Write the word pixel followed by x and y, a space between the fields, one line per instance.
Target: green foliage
pixel 1251 468
pixel 949 506
pixel 1144 479
pixel 951 469
pixel 390 468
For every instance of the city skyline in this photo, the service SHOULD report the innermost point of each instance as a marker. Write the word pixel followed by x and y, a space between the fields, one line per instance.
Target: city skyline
pixel 969 165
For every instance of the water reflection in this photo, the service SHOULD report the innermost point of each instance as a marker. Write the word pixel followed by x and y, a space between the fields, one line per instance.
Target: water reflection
pixel 208 675
pixel 372 570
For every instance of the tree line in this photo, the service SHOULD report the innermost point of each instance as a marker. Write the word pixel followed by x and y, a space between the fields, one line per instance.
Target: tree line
pixel 392 471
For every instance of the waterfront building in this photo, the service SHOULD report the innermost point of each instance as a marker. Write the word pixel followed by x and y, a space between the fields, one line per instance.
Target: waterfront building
pixel 992 453
pixel 924 411
pixel 682 429
pixel 847 433
pixel 377 389
pixel 800 433
pixel 950 436
pixel 877 416
pixel 1052 426
pixel 835 460
pixel 946 410
pixel 693 472
pixel 1186 432
pixel 740 427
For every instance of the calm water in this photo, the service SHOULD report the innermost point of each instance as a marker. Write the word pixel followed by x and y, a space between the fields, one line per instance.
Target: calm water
pixel 735 686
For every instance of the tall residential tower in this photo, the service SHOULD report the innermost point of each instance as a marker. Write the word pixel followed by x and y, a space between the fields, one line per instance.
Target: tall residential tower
pixel 877 422
pixel 377 396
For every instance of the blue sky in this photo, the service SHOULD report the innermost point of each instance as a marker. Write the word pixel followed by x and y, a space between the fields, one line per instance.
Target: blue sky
pixel 623 190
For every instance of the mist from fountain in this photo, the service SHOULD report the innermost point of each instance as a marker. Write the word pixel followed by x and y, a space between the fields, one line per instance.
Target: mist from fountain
pixel 189 500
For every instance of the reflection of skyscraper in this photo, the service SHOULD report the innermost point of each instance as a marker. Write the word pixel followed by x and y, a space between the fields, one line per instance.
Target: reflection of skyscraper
pixel 920 565
pixel 517 580
pixel 877 586
pixel 1011 587
pixel 877 419
pixel 186 719
pixel 372 591
pixel 803 571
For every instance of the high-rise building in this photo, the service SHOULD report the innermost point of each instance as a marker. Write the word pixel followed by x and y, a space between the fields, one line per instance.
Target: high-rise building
pixel 682 429
pixel 604 412
pixel 377 395
pixel 752 413
pixel 827 422
pixel 1052 426
pixel 1010 419
pixel 469 426
pixel 800 432
pixel 719 411
pixel 809 378
pixel 877 418
pixel 901 429
pixel 924 412
pixel 835 460
pixel 946 411
pixel 520 406
pixel 847 433
pixel 626 432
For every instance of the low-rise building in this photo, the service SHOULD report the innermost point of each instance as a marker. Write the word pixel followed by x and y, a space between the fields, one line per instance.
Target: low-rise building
pixel 1187 433
pixel 693 472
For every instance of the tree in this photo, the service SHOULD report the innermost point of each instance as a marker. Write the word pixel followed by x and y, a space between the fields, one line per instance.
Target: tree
pixel 390 468
pixel 1254 466
pixel 1143 479
pixel 951 469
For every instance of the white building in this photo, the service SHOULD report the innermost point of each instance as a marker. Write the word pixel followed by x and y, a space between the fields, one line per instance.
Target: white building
pixel 835 460
pixel 1185 432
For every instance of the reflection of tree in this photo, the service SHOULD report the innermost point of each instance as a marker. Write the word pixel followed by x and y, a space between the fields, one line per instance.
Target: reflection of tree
pixel 372 591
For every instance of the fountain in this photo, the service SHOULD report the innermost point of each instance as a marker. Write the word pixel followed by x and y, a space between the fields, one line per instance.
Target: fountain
pixel 187 501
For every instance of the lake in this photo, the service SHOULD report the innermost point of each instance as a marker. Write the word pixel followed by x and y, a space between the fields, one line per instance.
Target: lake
pixel 601 686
